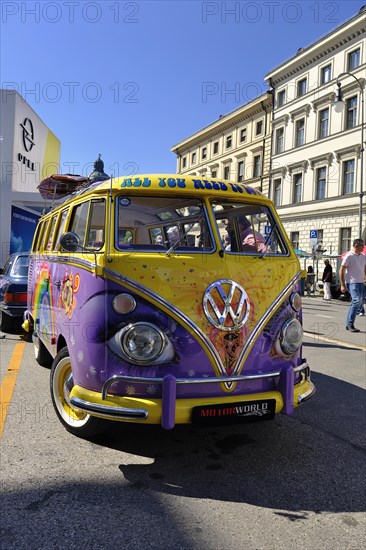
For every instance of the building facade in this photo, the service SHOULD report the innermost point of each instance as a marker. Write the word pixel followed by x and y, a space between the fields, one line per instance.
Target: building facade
pixel 292 144
pixel 316 174
pixel 236 146
pixel 29 151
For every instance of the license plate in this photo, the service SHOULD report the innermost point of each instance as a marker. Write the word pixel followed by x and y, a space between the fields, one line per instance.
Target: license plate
pixel 234 413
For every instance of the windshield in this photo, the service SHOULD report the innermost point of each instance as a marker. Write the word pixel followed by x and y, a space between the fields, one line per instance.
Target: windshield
pixel 248 229
pixel 176 224
pixel 16 266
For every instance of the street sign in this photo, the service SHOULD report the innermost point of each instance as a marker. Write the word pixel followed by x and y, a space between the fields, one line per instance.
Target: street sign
pixel 313 238
pixel 267 229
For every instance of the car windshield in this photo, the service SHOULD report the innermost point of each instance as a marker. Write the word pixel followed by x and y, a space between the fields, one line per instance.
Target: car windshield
pixel 248 229
pixel 20 267
pixel 176 224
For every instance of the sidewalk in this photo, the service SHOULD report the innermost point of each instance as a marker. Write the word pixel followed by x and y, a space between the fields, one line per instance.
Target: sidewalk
pixel 328 320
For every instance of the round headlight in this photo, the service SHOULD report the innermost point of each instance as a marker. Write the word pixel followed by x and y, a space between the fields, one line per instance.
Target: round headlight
pixel 142 342
pixel 291 336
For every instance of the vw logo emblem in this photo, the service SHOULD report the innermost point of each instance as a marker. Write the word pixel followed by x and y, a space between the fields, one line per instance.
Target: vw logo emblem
pixel 28 134
pixel 226 305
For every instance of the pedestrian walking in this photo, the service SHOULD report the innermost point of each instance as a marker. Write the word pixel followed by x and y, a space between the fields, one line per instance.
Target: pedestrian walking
pixel 352 274
pixel 327 279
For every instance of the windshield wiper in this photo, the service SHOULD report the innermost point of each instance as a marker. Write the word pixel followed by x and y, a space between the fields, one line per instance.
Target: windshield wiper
pixel 177 243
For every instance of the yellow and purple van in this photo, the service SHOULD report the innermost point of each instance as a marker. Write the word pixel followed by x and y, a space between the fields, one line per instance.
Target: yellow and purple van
pixel 163 299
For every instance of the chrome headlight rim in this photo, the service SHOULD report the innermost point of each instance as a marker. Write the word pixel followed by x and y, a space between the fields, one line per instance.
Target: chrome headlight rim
pixel 131 358
pixel 287 347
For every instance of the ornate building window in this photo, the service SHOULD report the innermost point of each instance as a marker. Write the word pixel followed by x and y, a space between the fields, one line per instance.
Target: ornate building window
pixel 323 123
pixel 321 181
pixel 348 176
pixel 280 141
pixel 277 191
pixel 325 74
pixel 351 115
pixel 300 132
pixel 302 87
pixel 256 166
pixel 353 59
pixel 241 170
pixel 297 188
pixel 345 239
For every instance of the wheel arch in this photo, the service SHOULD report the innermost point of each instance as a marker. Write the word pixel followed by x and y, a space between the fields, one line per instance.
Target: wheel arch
pixel 61 343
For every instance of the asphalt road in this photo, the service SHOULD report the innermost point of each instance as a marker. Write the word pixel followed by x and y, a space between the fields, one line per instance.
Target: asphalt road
pixel 296 482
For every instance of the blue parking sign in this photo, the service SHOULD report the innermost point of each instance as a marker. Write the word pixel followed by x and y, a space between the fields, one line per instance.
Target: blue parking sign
pixel 313 233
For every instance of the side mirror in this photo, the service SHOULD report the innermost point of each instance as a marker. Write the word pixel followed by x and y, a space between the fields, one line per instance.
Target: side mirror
pixel 70 241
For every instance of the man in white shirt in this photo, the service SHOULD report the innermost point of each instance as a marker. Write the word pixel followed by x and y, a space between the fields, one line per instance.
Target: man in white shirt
pixel 352 274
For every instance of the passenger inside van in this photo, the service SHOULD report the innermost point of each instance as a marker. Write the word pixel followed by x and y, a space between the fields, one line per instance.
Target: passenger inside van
pixel 250 239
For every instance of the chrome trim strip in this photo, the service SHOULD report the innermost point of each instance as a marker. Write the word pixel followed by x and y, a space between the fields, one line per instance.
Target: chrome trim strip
pixel 302 367
pixel 64 259
pixel 213 380
pixel 108 411
pixel 307 394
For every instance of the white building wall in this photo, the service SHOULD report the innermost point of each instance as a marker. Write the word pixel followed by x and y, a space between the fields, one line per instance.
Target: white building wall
pixel 337 210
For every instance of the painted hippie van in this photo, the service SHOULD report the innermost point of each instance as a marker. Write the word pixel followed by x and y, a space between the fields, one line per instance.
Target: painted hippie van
pixel 162 299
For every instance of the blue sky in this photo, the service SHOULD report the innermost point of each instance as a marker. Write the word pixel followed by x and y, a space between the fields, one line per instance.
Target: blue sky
pixel 130 79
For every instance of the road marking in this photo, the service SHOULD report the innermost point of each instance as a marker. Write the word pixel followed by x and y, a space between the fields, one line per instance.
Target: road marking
pixel 334 341
pixel 7 385
pixel 325 316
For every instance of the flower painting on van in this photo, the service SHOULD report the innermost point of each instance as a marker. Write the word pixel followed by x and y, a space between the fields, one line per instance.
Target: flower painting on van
pixel 69 287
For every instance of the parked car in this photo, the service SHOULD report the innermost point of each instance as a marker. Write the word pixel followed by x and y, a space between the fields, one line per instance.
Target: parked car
pixel 13 291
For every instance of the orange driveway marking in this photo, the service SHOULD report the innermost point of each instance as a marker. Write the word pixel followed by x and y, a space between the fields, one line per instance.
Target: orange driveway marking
pixel 7 385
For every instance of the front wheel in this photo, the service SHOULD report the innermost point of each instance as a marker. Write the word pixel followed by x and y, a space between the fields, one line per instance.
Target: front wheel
pixel 61 382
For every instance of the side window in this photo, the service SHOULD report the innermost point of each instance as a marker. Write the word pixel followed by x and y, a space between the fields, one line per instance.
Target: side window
pixel 95 234
pixel 61 229
pixel 51 233
pixel 79 221
pixel 37 237
pixel 42 239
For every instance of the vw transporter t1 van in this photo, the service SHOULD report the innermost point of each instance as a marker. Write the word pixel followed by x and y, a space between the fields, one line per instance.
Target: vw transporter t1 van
pixel 163 299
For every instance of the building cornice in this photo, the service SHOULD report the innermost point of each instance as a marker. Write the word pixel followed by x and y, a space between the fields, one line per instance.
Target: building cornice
pixel 226 122
pixel 353 28
pixel 304 110
pixel 327 158
pixel 322 101
pixel 301 166
pixel 348 151
pixel 282 120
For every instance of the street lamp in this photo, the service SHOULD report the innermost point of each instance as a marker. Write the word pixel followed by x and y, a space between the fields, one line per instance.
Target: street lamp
pixel 338 107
